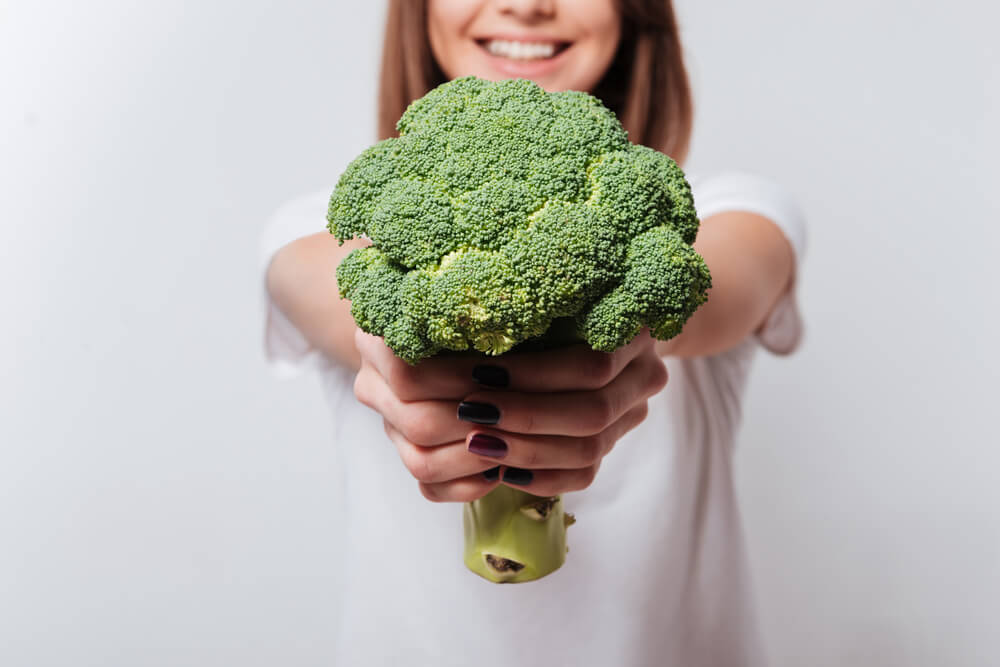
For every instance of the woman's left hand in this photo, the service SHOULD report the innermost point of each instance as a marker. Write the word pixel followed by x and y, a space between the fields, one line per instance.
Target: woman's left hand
pixel 539 421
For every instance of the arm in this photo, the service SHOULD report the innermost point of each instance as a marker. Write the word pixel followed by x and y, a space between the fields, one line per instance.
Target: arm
pixel 752 264
pixel 302 281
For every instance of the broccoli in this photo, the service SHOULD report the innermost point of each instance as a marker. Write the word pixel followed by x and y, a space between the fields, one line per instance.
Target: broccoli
pixel 501 208
pixel 504 214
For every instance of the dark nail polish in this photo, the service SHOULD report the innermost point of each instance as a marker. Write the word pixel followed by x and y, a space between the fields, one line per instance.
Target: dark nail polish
pixel 478 413
pixel 487 445
pixel 491 376
pixel 492 475
pixel 518 476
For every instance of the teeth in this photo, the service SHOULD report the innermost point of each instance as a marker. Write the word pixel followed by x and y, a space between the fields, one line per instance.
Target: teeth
pixel 521 50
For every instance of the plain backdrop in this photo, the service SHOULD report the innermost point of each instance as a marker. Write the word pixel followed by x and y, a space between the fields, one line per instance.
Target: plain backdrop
pixel 164 501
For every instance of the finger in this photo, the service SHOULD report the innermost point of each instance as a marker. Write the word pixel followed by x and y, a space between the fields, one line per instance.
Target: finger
pixel 463 490
pixel 442 377
pixel 549 482
pixel 578 413
pixel 556 452
pixel 425 423
pixel 559 369
pixel 436 464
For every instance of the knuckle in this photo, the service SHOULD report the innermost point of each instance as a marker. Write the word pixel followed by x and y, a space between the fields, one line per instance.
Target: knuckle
pixel 574 480
pixel 401 379
pixel 368 345
pixel 601 412
pixel 587 477
pixel 599 368
pixel 418 428
pixel 592 449
pixel 645 339
pixel 360 341
pixel 658 375
pixel 418 463
pixel 362 388
pixel 430 493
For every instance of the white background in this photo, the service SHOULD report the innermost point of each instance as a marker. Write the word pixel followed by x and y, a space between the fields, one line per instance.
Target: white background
pixel 163 501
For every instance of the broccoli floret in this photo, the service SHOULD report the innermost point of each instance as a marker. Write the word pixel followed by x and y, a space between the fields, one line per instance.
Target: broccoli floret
pixel 500 209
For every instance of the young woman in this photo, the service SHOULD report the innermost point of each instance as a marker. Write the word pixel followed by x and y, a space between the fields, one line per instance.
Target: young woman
pixel 656 574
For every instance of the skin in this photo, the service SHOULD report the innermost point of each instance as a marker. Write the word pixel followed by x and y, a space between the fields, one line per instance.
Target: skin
pixel 590 28
pixel 564 409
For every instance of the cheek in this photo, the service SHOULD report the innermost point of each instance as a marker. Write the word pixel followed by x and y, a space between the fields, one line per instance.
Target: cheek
pixel 447 21
pixel 595 15
pixel 592 64
pixel 600 21
pixel 604 49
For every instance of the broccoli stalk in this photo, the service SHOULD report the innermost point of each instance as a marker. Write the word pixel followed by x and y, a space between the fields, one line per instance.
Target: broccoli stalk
pixel 500 214
pixel 512 536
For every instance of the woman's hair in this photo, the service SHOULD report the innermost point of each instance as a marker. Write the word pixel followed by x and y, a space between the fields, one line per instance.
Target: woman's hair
pixel 646 84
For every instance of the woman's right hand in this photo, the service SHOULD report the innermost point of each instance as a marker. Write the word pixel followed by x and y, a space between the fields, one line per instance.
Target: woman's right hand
pixel 541 423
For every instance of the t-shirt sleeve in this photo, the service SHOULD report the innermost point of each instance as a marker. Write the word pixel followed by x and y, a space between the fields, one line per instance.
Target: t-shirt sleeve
pixel 782 331
pixel 286 350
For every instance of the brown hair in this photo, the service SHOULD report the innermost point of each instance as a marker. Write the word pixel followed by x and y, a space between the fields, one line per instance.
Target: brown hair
pixel 646 84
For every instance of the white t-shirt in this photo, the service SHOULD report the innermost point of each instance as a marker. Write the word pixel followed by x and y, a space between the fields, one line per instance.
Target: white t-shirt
pixel 656 573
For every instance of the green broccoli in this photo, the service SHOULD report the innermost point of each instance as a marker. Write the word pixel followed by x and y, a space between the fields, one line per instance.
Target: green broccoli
pixel 500 208
pixel 502 214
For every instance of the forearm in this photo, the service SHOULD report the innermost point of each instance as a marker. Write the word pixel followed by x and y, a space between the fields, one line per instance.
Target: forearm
pixel 302 281
pixel 751 263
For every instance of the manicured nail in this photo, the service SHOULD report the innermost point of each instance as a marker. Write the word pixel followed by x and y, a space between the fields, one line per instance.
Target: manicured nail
pixel 487 445
pixel 492 475
pixel 491 376
pixel 478 413
pixel 518 476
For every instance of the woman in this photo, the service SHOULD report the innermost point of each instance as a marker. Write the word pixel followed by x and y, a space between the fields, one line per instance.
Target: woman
pixel 656 573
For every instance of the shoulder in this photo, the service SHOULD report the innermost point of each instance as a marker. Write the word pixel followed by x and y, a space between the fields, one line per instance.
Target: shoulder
pixel 729 191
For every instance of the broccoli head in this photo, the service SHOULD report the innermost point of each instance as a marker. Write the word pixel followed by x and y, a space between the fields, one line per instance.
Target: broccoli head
pixel 501 208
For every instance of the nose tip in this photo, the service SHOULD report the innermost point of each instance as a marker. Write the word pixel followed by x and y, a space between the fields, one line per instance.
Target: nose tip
pixel 528 8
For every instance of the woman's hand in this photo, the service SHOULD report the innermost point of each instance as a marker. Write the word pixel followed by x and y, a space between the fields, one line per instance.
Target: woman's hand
pixel 539 421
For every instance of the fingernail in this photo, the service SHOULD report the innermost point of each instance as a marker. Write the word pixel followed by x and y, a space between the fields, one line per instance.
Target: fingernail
pixel 492 475
pixel 478 413
pixel 518 476
pixel 487 445
pixel 491 376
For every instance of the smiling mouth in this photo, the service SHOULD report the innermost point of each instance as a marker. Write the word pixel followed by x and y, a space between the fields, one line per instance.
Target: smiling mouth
pixel 524 51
